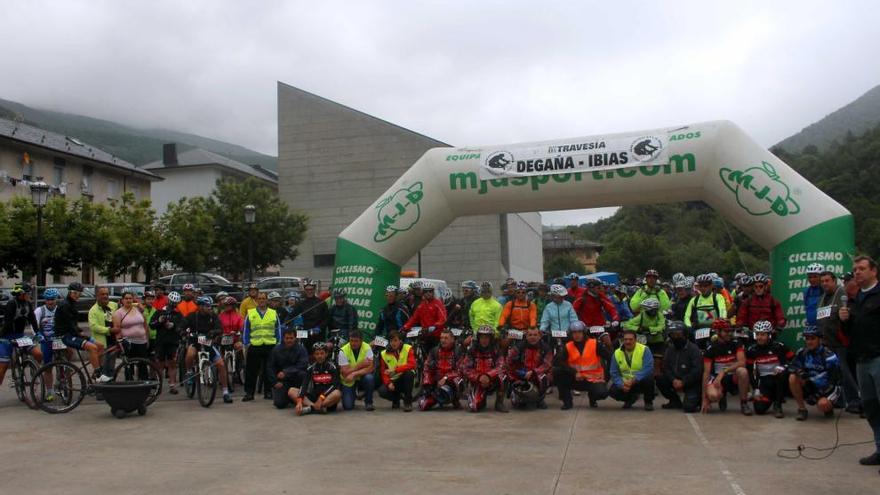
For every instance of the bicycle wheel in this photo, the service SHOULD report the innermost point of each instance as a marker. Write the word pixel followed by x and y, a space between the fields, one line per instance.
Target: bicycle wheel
pixel 69 387
pixel 135 367
pixel 206 384
pixel 23 379
pixel 229 361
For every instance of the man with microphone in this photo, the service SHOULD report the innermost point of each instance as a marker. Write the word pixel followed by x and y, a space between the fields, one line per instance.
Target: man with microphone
pixel 861 323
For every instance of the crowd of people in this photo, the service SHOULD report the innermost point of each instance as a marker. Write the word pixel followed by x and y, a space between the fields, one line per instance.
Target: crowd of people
pixel 694 340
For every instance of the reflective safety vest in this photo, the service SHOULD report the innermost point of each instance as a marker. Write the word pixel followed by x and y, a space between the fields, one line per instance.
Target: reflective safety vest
pixel 586 364
pixel 392 362
pixel 628 370
pixel 353 361
pixel 263 327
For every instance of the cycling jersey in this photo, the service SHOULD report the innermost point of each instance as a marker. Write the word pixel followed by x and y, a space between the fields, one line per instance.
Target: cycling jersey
pixel 764 360
pixel 757 308
pixel 390 318
pixel 17 315
pixel 721 355
pixel 703 310
pixel 650 326
pixel 343 317
pixel 524 357
pixel 66 320
pixel 820 366
pixel 167 323
pixel 321 379
pixel 45 321
pixel 231 321
pixel 644 293
pixel 592 309
pixel 314 313
pixel 485 312
pixel 575 293
pixel 431 313
pixel 186 308
pixel 442 362
pixel 202 324
pixel 812 294
pixel 480 361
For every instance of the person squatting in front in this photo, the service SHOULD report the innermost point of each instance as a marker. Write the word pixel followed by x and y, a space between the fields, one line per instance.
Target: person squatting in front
pixel 442 381
pixel 397 372
pixel 632 372
pixel 724 371
pixel 320 391
pixel 766 362
pixel 579 367
pixel 815 376
pixel 529 366
pixel 287 366
pixel 483 365
pixel 682 370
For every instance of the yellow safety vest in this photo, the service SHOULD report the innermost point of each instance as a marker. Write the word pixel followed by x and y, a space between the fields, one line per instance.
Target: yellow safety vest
pixel 394 362
pixel 628 370
pixel 263 327
pixel 352 360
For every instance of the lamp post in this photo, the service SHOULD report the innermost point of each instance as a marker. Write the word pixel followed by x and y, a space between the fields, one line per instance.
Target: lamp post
pixel 39 197
pixel 250 216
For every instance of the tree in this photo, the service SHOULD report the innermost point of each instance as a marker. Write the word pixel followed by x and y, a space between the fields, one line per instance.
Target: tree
pixel 561 265
pixel 57 228
pixel 276 232
pixel 134 240
pixel 90 236
pixel 6 264
pixel 188 230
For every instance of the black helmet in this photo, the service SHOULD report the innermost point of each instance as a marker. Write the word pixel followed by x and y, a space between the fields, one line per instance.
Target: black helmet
pixel 674 326
pixel 75 286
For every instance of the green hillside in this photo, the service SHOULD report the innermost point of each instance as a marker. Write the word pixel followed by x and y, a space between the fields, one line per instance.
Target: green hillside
pixel 138 146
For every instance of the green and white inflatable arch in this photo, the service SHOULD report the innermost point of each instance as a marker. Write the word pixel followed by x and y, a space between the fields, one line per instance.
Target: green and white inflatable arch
pixel 715 162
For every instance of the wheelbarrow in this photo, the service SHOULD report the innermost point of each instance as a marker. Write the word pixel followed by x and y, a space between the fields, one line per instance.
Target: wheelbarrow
pixel 126 397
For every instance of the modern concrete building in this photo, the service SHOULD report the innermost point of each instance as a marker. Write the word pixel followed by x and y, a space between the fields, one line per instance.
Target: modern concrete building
pixel 194 172
pixel 334 161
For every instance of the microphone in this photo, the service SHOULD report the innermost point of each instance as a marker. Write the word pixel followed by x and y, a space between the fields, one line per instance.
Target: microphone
pixel 843 300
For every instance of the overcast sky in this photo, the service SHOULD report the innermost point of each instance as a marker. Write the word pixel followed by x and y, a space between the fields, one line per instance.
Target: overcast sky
pixel 467 73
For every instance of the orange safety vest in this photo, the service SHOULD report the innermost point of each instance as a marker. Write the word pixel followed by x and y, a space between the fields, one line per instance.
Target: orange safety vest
pixel 586 364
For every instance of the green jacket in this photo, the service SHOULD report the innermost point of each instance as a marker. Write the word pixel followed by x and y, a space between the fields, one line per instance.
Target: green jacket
pixel 100 321
pixel 644 324
pixel 148 316
pixel 485 312
pixel 701 311
pixel 643 293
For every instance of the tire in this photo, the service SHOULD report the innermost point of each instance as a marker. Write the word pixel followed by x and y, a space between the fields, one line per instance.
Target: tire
pixel 119 413
pixel 206 384
pixel 23 380
pixel 190 386
pixel 142 410
pixel 229 361
pixel 129 370
pixel 70 387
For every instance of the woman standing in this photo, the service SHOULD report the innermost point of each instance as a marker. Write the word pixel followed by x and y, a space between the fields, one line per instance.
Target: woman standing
pixel 129 324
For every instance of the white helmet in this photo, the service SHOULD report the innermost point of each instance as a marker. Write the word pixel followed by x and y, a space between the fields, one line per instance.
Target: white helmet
pixel 558 290
pixel 815 269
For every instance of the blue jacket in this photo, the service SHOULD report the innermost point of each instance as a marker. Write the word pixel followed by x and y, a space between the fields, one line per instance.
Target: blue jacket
pixel 821 366
pixel 811 302
pixel 557 316
pixel 646 371
pixel 623 311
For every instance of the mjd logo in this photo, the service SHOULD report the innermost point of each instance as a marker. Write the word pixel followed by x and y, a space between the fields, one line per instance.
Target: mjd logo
pixel 398 212
pixel 759 191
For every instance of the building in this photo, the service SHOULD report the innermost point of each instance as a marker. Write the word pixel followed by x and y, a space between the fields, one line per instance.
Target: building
pixel 557 242
pixel 334 161
pixel 194 172
pixel 71 167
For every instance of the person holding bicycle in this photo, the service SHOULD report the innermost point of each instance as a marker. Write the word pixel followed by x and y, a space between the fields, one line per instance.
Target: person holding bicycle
pixel 231 321
pixel 558 313
pixel 19 313
pixel 205 322
pixel 287 368
pixel 167 321
pixel 518 313
pixel 430 315
pixel 67 328
pixel 262 330
pixel 320 393
pixel 342 315
pixel 45 316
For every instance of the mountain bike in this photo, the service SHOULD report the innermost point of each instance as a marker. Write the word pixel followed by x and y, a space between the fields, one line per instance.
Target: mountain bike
pixel 24 369
pixel 234 368
pixel 69 383
pixel 202 378
pixel 414 336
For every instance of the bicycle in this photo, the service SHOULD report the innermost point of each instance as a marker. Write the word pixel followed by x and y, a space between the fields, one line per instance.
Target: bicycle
pixel 419 350
pixel 232 360
pixel 202 378
pixel 335 343
pixel 24 370
pixel 70 383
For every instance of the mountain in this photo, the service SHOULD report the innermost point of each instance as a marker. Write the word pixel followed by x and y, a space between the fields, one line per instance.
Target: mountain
pixel 138 146
pixel 856 118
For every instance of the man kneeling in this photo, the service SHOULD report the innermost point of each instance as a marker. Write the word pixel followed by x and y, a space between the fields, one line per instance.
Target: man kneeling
pixel 815 377
pixel 320 392
pixel 441 381
pixel 528 369
pixel 579 366
pixel 632 372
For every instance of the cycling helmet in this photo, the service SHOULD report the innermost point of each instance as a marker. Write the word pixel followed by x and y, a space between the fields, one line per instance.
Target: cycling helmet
pixel 294 295
pixel 674 326
pixel 222 295
pixel 75 286
pixel 416 284
pixel 652 273
pixel 391 288
pixel 705 278
pixel 577 326
pixel 469 284
pixel 593 282
pixel 149 293
pixel 650 304
pixel 486 286
pixel 20 289
pixel 174 297
pixel 485 330
pixel 558 290
pixel 762 326
pixel 308 283
pixel 526 392
pixel 447 296
pixel 678 277
pixel 204 301
pixel 689 281
pixel 230 300
pixel 760 278
pixel 572 275
pixel 746 280
pixel 815 269
pixel 189 287
pixel 682 284
pixel 402 290
pixel 718 282
pixel 428 286
pixel 738 276
pixel 51 294
pixel 812 331
pixel 338 292
pixel 319 346
pixel 521 286
pixel 720 325
pixel 274 295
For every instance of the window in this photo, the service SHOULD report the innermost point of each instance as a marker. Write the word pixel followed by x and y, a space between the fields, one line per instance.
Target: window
pixel 112 188
pixel 58 175
pixel 87 180
pixel 325 260
pixel 136 191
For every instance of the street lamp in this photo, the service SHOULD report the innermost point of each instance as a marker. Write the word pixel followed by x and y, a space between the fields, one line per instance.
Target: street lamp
pixel 39 197
pixel 250 216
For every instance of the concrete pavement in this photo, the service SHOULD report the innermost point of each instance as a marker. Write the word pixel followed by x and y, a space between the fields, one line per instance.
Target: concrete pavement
pixel 180 447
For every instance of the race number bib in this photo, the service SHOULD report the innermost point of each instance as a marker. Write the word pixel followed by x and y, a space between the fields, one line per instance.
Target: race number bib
pixel 58 345
pixel 24 342
pixel 515 334
pixel 302 334
pixel 823 312
pixel 642 339
pixel 741 333
pixel 226 340
pixel 380 341
pixel 559 334
pixel 597 330
pixel 455 331
pixel 203 339
pixel 702 333
pixel 414 332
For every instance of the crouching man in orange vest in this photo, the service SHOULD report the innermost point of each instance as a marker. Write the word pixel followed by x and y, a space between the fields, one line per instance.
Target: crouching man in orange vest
pixel 579 366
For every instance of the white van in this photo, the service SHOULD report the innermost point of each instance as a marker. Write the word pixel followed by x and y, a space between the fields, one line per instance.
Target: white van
pixel 439 285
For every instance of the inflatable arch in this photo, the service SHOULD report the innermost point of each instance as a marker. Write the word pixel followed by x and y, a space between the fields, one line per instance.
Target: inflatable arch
pixel 715 162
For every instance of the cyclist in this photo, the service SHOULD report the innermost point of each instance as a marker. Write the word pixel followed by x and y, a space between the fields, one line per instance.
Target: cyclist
pixel 683 294
pixel 483 365
pixel 167 323
pixel 507 292
pixel 314 313
pixel 621 302
pixel 743 291
pixel 45 316
pixel 430 315
pixel 592 306
pixel 541 298
pixel 342 315
pixel 188 304
pixel 815 375
pixel 649 326
pixel 559 313
pixel 231 321
pixel 148 309
pixel 682 370
pixel 290 316
pixel 578 366
pixel 484 311
pixel 813 291
pixel 761 306
pixel 766 360
pixel 250 301
pixel 441 381
pixel 414 298
pixel 161 298
pixel 320 392
pixel 205 322
pixel 398 372
pixel 519 313
pixel 287 368
pixel 724 371
pixel 18 314
pixel 470 292
pixel 632 371
pixel 704 308
pixel 529 366
pixel 718 283
pixel 402 298
pixel 391 316
pixel 262 331
pixel 651 290
pixel 356 371
pixel 575 291
pixel 67 327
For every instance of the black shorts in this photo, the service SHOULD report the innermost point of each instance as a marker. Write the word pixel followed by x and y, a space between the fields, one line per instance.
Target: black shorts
pixel 813 393
pixel 165 351
pixel 314 398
